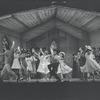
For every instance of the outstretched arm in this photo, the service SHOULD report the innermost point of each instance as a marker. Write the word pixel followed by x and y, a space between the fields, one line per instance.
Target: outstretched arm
pixel 51 50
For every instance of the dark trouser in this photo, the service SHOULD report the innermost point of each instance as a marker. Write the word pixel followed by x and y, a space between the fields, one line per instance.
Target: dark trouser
pixel 53 70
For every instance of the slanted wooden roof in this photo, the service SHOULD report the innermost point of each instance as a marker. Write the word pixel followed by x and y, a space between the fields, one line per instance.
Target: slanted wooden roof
pixel 73 19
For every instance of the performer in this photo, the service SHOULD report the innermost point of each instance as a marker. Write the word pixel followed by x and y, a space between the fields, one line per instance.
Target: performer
pixel 75 66
pixel 91 65
pixel 53 67
pixel 34 65
pixel 52 47
pixel 37 53
pixel 16 63
pixel 29 60
pixel 8 62
pixel 44 62
pixel 63 68
pixel 23 64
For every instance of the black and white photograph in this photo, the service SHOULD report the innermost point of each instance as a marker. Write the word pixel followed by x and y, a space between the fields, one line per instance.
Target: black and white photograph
pixel 49 49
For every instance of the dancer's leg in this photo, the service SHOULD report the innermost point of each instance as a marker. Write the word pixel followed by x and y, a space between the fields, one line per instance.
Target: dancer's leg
pixel 3 71
pixel 50 69
pixel 54 71
pixel 12 73
pixel 92 74
pixel 85 75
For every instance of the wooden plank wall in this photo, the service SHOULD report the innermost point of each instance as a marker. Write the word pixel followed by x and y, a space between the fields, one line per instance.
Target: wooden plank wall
pixel 95 39
pixel 66 42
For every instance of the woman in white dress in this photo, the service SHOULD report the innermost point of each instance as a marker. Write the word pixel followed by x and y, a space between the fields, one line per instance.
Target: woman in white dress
pixel 63 68
pixel 91 66
pixel 29 60
pixel 16 63
pixel 44 62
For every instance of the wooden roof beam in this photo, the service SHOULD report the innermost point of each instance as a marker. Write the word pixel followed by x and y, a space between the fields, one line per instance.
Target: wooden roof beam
pixel 71 30
pixel 33 33
pixel 10 32
pixel 20 22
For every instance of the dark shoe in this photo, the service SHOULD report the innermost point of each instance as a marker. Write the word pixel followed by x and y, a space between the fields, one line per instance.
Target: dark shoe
pixel 58 81
pixel 82 78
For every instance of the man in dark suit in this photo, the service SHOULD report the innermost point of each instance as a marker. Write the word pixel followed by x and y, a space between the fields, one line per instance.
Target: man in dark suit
pixel 53 67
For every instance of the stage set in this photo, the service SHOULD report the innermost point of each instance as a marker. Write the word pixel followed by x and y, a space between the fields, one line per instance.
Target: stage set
pixel 51 28
pixel 56 40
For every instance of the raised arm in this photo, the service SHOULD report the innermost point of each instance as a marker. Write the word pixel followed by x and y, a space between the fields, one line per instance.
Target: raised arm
pixel 51 50
pixel 41 51
pixel 13 44
pixel 35 53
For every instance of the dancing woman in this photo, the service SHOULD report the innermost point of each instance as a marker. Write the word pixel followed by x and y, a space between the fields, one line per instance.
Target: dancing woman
pixel 63 68
pixel 44 62
pixel 91 66
pixel 29 61
pixel 16 63
pixel 8 62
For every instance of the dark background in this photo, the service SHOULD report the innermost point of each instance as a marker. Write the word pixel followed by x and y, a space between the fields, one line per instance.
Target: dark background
pixel 12 6
pixel 50 91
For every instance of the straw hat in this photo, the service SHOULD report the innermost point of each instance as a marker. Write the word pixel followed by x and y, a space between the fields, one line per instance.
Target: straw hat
pixel 62 53
pixel 88 47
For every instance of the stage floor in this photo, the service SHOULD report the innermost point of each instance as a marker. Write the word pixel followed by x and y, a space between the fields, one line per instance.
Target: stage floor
pixel 52 80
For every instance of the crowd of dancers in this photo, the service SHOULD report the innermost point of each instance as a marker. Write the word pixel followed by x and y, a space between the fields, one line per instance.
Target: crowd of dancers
pixel 21 64
pixel 86 63
pixel 27 64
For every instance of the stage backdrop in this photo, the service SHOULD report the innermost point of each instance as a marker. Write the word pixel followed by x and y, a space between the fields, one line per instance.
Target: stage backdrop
pixel 66 42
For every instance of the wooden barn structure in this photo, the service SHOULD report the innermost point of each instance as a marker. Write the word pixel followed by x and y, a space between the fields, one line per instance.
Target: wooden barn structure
pixel 71 28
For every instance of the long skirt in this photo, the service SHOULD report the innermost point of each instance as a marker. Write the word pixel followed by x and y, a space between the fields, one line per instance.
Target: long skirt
pixel 64 68
pixel 43 68
pixel 90 66
pixel 16 64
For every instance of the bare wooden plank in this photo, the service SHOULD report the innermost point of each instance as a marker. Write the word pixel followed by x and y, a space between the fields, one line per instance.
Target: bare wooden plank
pixel 46 14
pixel 10 32
pixel 71 30
pixel 38 30
pixel 35 19
pixel 93 25
pixel 8 25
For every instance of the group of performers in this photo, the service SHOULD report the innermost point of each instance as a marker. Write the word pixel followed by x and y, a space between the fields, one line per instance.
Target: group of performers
pixel 22 64
pixel 86 63
pixel 25 64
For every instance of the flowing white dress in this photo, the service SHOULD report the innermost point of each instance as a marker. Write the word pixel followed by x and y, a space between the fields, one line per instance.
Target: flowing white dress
pixel 63 68
pixel 91 65
pixel 29 63
pixel 16 63
pixel 43 66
